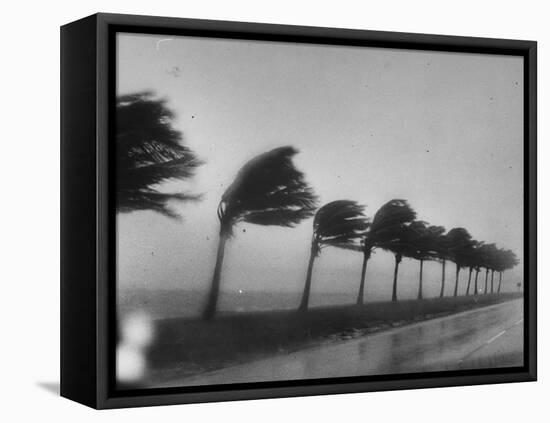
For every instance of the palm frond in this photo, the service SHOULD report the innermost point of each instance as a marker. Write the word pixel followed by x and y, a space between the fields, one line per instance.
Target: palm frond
pixel 340 224
pixel 268 190
pixel 459 245
pixel 390 227
pixel 136 200
pixel 390 219
pixel 149 152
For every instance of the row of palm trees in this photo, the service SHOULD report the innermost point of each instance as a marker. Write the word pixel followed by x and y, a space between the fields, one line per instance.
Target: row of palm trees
pixel 270 190
pixel 394 228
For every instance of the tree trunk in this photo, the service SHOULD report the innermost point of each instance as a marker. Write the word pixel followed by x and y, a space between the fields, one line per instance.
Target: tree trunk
pixel 394 291
pixel 475 284
pixel 492 279
pixel 211 305
pixel 442 279
pixel 499 281
pixel 486 279
pixel 360 296
pixel 469 281
pixel 307 288
pixel 456 281
pixel 420 280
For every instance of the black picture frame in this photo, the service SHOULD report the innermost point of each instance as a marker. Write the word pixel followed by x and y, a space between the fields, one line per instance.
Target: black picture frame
pixel 88 330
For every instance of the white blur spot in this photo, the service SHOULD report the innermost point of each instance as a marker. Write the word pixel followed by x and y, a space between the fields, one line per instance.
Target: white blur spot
pixel 163 40
pixel 137 330
pixel 240 291
pixel 130 363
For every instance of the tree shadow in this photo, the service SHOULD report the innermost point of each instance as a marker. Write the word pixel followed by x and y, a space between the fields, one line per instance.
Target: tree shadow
pixel 51 387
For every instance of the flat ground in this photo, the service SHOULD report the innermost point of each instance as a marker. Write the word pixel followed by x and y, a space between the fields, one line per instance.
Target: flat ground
pixel 378 338
pixel 488 337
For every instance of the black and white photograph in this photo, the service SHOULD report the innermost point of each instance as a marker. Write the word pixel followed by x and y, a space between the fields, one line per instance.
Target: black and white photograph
pixel 301 211
pixel 275 211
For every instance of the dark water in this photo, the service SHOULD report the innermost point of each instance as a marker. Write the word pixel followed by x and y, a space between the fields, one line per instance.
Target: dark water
pixel 179 303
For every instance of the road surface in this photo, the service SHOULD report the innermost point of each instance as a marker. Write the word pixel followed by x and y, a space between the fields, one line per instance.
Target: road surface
pixel 486 337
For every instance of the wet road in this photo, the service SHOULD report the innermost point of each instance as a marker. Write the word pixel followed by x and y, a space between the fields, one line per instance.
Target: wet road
pixel 486 337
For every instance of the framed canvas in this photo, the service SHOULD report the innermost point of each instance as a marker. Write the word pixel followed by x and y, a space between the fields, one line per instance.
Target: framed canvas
pixel 255 211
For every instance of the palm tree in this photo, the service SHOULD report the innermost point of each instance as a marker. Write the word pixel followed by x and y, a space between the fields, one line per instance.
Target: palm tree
pixel 149 152
pixel 469 280
pixel 492 258
pixel 339 224
pixel 384 232
pixel 397 238
pixel 459 242
pixel 470 257
pixel 442 248
pixel 477 269
pixel 424 238
pixel 477 261
pixel 507 259
pixel 268 190
pixel 487 253
pixel 387 225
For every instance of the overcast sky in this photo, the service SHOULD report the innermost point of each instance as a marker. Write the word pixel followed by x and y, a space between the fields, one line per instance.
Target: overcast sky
pixel 442 130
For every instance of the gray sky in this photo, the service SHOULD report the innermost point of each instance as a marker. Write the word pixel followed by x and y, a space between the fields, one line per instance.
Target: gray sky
pixel 442 130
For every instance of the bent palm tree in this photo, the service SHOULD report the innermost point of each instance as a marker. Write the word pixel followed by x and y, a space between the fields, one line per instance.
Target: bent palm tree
pixel 268 190
pixel 507 259
pixel 443 253
pixel 478 260
pixel 337 224
pixel 470 257
pixel 459 242
pixel 469 280
pixel 386 228
pixel 492 262
pixel 487 255
pixel 477 269
pixel 149 152
pixel 398 238
pixel 424 240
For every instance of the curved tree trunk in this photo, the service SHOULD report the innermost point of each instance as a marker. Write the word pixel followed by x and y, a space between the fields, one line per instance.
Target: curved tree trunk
pixel 394 291
pixel 469 281
pixel 492 280
pixel 211 305
pixel 307 288
pixel 475 284
pixel 486 279
pixel 361 294
pixel 442 279
pixel 499 281
pixel 456 280
pixel 420 280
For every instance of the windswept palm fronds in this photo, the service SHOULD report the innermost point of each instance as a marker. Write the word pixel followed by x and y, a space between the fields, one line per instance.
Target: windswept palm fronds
pixel 268 190
pixel 390 231
pixel 389 221
pixel 149 152
pixel 386 228
pixel 338 224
